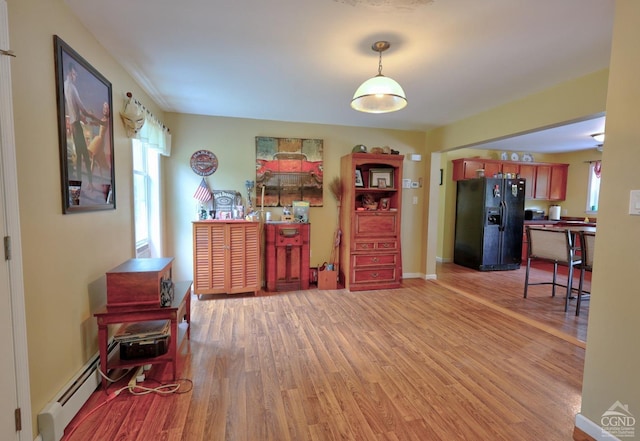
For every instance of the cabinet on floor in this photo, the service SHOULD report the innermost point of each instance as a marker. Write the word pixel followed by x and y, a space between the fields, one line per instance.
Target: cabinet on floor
pixel 287 256
pixel 226 257
pixel 370 219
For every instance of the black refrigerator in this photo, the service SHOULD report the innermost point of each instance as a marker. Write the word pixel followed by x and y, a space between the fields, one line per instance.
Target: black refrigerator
pixel 489 223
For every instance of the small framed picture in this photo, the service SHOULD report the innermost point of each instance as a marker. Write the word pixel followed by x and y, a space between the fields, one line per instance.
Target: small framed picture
pixel 381 177
pixel 383 204
pixel 359 181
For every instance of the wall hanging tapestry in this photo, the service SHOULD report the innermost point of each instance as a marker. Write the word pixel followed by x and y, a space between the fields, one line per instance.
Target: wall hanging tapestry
pixel 287 170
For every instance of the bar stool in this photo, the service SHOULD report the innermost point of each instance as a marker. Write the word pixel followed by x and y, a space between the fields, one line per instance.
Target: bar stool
pixel 556 246
pixel 587 242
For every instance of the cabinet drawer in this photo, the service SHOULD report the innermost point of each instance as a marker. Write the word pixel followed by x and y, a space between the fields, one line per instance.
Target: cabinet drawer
pixel 288 237
pixel 376 224
pixel 360 260
pixel 386 274
pixel 376 245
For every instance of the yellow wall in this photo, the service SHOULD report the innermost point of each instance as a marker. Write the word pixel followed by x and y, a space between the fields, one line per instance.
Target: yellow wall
pixel 613 356
pixel 233 142
pixel 65 257
pixel 569 101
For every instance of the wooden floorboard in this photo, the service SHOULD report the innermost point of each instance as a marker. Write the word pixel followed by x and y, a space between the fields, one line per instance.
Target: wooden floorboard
pixel 452 359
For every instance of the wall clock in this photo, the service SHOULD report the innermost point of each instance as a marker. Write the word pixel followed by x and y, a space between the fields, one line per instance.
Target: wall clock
pixel 204 163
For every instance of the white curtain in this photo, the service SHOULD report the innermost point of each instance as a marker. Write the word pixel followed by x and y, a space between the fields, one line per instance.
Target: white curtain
pixel 155 135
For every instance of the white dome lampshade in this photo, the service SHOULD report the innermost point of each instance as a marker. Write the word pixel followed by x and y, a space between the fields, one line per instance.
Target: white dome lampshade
pixel 379 94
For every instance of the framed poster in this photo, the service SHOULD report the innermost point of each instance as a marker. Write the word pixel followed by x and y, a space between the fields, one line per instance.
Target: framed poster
pixel 85 133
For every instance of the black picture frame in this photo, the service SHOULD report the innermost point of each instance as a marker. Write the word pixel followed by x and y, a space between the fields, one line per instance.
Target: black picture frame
pixel 359 181
pixel 87 170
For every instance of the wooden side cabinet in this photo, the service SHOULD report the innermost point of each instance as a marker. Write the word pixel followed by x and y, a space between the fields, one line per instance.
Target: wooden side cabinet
pixel 226 257
pixel 287 256
pixel 370 251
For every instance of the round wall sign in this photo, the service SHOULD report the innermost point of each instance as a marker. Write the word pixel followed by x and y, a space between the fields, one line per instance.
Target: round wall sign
pixel 204 162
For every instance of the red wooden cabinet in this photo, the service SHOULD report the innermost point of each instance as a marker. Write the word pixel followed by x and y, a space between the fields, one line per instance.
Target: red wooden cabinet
pixel 370 254
pixel 287 256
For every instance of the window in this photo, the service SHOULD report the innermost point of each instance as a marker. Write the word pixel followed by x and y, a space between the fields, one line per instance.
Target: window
pixel 593 188
pixel 146 199
pixel 148 142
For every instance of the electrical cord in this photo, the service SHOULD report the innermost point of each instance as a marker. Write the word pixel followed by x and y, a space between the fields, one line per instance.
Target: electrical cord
pixel 135 390
pixel 111 380
pixel 162 389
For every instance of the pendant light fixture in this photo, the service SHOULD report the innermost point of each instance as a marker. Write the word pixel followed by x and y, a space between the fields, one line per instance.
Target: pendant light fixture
pixel 379 94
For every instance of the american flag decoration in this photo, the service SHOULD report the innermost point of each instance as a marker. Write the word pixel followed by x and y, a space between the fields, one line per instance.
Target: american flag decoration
pixel 202 194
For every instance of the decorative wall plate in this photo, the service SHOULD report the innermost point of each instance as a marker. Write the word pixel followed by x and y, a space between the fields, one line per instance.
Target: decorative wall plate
pixel 204 163
pixel 527 157
pixel 515 157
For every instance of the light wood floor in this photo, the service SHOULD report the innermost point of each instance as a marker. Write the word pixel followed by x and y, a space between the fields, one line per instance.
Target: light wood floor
pixel 435 360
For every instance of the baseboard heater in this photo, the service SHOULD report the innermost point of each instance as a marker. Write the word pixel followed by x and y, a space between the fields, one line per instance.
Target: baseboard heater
pixel 58 413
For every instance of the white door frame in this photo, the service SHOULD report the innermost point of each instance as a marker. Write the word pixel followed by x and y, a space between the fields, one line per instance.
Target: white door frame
pixel 11 211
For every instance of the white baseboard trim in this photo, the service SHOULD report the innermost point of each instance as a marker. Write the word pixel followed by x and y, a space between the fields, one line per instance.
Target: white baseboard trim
pixel 443 260
pixel 593 430
pixel 412 275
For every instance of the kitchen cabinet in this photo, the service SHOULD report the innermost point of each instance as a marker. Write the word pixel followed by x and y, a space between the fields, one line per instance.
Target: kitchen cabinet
pixel 528 173
pixel 466 168
pixel 558 182
pixel 544 181
pixel 226 257
pixel 370 219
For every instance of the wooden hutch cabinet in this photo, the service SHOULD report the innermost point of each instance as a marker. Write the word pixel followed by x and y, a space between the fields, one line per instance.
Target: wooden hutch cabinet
pixel 370 219
pixel 287 256
pixel 226 257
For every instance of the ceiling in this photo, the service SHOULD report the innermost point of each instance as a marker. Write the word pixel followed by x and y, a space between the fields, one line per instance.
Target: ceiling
pixel 563 138
pixel 301 60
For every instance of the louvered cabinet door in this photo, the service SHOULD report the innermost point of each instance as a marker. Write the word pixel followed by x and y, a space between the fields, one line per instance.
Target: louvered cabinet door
pixel 244 257
pixel 202 262
pixel 218 280
pixel 226 257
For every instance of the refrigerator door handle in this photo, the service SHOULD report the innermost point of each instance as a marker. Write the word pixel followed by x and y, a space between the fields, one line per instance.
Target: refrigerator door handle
pixel 503 215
